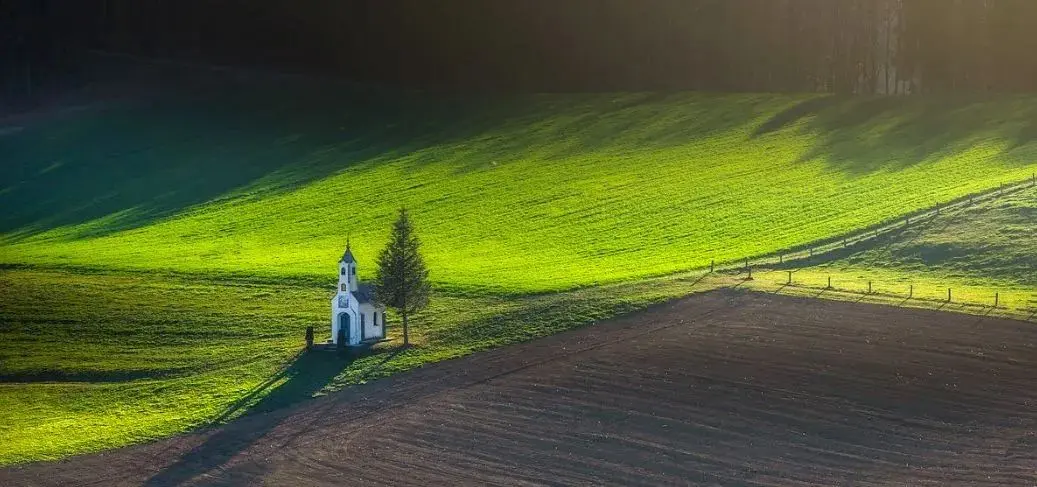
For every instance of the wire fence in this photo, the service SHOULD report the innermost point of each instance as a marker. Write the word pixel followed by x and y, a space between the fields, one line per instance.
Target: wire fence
pixel 780 268
pixel 884 229
pixel 930 293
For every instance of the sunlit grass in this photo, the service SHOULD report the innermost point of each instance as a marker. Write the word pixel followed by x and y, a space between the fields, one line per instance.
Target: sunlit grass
pixel 97 361
pixel 985 255
pixel 581 190
pixel 167 261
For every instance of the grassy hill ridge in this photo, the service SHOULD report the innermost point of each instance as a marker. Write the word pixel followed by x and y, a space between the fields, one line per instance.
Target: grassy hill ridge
pixel 519 194
pixel 160 261
pixel 982 252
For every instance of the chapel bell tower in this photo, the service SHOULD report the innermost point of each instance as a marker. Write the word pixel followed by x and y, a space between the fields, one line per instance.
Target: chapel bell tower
pixel 347 272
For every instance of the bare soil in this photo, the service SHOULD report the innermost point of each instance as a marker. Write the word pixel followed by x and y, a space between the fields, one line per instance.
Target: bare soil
pixel 724 388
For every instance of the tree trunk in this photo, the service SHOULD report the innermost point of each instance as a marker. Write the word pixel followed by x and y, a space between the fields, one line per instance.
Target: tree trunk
pixel 889 27
pixel 406 336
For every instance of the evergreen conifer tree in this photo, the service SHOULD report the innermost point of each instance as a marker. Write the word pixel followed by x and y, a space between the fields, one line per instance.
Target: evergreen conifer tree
pixel 401 282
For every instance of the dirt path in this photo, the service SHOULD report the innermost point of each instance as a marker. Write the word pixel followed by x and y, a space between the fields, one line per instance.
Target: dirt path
pixel 725 388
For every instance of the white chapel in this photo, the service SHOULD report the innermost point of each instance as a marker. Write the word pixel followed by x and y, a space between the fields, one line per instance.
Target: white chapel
pixel 353 308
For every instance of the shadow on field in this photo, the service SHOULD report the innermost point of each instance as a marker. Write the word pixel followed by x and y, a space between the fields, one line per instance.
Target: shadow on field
pixel 107 376
pixel 126 165
pixel 988 240
pixel 793 114
pixel 536 316
pixel 860 135
pixel 306 375
pixel 549 127
pixel 123 166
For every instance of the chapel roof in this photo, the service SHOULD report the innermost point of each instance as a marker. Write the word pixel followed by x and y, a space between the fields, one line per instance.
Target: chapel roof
pixel 364 293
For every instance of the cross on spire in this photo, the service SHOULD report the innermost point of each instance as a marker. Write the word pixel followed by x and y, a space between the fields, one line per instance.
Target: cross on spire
pixel 348 256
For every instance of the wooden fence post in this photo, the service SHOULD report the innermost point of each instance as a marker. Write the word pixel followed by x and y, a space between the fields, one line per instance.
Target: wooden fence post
pixel 997 299
pixel 746 262
pixel 711 263
pixel 911 292
pixel 309 338
pixel 781 258
pixel 750 274
pixel 790 278
pixel 948 295
pixel 869 287
pixel 829 282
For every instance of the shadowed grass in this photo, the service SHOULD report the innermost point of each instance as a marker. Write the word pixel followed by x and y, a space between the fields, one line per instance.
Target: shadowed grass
pixel 97 361
pixel 985 253
pixel 511 194
pixel 163 261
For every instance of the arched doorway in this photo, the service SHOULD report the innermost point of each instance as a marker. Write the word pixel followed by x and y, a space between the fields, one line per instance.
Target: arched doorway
pixel 343 324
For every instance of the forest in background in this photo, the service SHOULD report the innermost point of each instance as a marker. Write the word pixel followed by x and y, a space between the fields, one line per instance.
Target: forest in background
pixel 838 46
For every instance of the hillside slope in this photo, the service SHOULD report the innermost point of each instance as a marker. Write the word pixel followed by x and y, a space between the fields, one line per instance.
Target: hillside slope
pixel 993 241
pixel 725 388
pixel 985 253
pixel 511 194
pixel 169 255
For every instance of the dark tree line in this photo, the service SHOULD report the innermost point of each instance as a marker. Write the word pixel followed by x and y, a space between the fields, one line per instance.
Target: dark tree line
pixel 847 46
pixel 36 43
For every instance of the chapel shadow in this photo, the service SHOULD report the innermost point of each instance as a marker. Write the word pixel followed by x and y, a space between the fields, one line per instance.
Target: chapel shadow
pixel 307 375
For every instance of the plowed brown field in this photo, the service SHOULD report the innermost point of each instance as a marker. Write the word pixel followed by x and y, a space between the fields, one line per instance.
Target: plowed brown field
pixel 724 388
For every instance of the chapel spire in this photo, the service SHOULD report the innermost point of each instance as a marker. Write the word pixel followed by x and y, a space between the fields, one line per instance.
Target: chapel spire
pixel 348 256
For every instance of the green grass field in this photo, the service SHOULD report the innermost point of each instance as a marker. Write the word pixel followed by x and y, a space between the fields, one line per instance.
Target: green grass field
pixel 161 260
pixel 539 193
pixel 101 360
pixel 985 253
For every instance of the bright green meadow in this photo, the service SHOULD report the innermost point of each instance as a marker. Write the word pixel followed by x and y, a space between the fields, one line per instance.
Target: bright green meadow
pixel 96 361
pixel 986 254
pixel 518 195
pixel 161 259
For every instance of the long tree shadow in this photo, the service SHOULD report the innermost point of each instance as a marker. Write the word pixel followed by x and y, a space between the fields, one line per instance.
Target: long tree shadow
pixel 304 377
pixel 552 126
pixel 860 135
pixel 123 166
pixel 795 113
pixel 127 165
